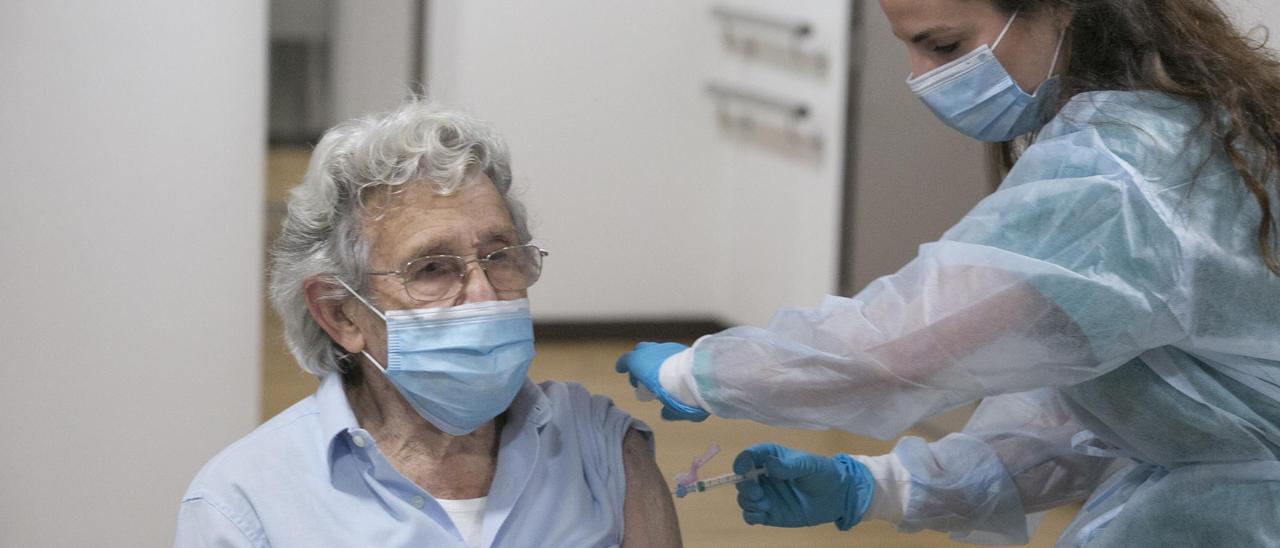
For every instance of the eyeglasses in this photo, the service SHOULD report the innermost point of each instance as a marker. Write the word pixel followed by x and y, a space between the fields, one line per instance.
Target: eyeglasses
pixel 440 277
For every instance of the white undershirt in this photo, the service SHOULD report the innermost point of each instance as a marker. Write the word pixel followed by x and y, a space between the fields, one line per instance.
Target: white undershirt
pixel 467 516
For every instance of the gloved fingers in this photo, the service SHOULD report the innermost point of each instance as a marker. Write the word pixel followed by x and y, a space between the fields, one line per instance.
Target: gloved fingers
pixel 755 456
pixel 794 464
pixel 781 469
pixel 657 352
pixel 624 365
pixel 753 505
pixel 751 489
pixel 753 502
pixel 744 462
pixel 673 415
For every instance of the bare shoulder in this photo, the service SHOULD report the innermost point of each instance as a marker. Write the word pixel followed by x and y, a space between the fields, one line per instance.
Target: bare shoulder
pixel 649 513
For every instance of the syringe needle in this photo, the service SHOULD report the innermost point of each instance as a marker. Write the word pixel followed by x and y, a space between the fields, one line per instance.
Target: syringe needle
pixel 711 483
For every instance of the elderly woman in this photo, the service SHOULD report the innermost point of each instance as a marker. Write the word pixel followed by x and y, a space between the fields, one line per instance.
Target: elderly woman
pixel 401 275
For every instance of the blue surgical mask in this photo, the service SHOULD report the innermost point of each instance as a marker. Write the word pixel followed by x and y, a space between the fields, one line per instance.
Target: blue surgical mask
pixel 459 366
pixel 976 96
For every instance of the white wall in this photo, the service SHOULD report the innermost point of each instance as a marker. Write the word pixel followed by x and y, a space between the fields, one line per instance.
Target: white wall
pixel 648 210
pixel 782 216
pixel 602 106
pixel 1250 13
pixel 372 55
pixel 130 234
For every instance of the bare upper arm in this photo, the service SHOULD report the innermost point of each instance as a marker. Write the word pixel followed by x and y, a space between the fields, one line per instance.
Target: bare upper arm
pixel 649 515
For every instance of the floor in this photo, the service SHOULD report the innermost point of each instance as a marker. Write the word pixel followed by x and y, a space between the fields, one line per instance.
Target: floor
pixel 706 519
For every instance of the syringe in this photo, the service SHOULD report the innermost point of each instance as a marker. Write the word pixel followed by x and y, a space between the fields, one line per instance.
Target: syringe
pixel 710 483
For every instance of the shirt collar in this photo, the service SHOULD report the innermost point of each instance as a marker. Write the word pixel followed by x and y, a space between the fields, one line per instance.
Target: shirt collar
pixel 336 417
pixel 335 411
pixel 531 408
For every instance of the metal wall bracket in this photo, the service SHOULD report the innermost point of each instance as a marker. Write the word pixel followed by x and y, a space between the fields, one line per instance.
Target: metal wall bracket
pixel 769 39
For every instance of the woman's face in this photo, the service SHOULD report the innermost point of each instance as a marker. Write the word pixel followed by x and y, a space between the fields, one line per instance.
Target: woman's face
pixel 937 32
pixel 470 223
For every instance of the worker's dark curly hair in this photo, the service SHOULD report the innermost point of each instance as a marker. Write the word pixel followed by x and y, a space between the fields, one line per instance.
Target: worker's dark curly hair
pixel 1189 49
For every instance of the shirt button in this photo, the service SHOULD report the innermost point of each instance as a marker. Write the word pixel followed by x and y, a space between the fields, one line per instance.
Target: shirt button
pixel 418 501
pixel 358 440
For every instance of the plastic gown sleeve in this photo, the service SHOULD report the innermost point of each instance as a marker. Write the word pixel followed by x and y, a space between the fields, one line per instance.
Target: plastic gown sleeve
pixel 1065 273
pixel 1013 458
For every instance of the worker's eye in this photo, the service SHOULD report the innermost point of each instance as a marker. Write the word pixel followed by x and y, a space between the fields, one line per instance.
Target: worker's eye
pixel 945 49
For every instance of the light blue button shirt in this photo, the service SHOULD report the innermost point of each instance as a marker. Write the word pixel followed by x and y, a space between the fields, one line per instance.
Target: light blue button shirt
pixel 311 477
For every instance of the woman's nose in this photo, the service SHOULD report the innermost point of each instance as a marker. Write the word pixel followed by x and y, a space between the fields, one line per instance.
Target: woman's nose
pixel 920 64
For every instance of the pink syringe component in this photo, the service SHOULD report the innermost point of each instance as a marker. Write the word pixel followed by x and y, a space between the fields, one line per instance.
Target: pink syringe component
pixel 688 482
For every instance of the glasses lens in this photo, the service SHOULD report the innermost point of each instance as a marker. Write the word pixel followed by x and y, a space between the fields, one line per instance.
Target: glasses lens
pixel 513 268
pixel 434 278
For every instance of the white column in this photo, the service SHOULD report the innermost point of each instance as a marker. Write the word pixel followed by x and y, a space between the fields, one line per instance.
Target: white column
pixel 131 135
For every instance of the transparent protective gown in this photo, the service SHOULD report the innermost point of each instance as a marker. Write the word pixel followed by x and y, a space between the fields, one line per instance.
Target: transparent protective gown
pixel 1116 318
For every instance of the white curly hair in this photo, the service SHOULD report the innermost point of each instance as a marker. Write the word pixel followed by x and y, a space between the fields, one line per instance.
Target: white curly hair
pixel 420 142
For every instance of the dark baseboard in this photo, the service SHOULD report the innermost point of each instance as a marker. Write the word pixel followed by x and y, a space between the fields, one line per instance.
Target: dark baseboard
pixel 674 330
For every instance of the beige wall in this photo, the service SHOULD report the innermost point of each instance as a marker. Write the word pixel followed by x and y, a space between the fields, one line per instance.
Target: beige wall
pixel 914 177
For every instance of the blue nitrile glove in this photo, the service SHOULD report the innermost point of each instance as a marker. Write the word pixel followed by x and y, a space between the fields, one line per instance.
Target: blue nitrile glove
pixel 800 489
pixel 643 364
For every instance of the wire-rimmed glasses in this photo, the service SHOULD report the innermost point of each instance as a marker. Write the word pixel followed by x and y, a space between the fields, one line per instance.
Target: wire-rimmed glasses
pixel 439 277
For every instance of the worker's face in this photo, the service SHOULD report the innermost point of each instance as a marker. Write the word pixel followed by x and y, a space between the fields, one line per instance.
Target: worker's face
pixel 937 32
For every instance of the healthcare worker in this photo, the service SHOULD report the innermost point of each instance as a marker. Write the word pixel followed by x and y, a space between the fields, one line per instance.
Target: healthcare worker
pixel 1115 304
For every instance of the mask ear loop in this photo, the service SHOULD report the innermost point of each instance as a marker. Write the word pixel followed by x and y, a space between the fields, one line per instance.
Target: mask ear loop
pixel 361 298
pixel 375 362
pixel 371 307
pixel 1056 50
pixel 1007 26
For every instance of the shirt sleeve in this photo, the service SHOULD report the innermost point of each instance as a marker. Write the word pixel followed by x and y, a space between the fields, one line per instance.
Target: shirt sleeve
pixel 1065 273
pixel 601 427
pixel 202 525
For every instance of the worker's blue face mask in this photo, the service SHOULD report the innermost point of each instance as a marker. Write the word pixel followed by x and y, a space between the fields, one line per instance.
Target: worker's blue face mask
pixel 976 96
pixel 460 366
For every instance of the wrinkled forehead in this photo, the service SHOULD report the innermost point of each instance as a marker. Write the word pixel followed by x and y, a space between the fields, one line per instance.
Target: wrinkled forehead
pixel 415 219
pixel 422 195
pixel 911 18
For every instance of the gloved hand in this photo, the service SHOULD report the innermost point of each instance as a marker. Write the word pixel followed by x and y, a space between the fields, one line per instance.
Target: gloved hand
pixel 801 489
pixel 643 364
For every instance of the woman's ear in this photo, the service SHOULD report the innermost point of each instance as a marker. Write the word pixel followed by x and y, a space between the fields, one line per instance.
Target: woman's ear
pixel 328 312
